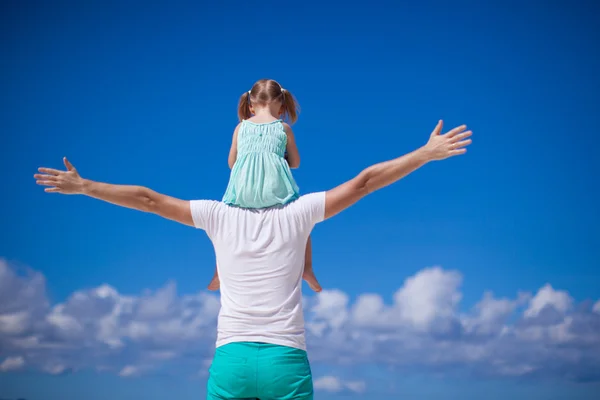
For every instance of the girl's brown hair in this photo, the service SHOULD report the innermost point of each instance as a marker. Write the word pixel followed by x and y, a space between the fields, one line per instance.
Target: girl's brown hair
pixel 264 92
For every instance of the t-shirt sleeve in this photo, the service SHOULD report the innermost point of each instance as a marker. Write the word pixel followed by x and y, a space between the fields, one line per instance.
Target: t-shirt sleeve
pixel 204 214
pixel 311 208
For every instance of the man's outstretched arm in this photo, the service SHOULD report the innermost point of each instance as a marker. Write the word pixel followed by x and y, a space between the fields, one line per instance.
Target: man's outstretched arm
pixel 136 197
pixel 380 175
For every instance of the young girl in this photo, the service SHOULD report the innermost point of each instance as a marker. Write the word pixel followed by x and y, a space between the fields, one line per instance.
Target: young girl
pixel 262 152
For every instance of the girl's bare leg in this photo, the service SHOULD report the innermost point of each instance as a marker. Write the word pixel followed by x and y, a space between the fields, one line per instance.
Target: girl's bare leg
pixel 215 283
pixel 308 275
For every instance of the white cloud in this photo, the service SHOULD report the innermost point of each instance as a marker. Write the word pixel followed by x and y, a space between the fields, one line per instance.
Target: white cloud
pixel 490 314
pixel 328 384
pixel 22 299
pixel 55 369
pixel 100 326
pixel 430 295
pixel 14 324
pixel 423 328
pixel 334 384
pixel 426 300
pixel 356 386
pixel 332 306
pixel 546 333
pixel 548 297
pixel 12 364
pixel 128 370
pixel 367 308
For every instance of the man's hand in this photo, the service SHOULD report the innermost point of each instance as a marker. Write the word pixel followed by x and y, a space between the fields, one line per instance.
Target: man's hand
pixel 450 144
pixel 65 182
pixel 383 174
pixel 130 196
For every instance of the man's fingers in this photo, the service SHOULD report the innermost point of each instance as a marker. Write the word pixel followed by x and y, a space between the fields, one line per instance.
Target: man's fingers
pixel 69 166
pixel 455 131
pixel 458 152
pixel 45 182
pixel 438 128
pixel 50 171
pixel 460 136
pixel 52 190
pixel 45 177
pixel 460 144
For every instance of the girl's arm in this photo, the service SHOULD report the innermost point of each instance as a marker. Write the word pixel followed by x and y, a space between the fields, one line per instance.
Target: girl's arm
pixel 233 150
pixel 293 156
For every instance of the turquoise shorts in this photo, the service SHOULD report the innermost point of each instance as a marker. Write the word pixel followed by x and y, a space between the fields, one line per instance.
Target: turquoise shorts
pixel 259 371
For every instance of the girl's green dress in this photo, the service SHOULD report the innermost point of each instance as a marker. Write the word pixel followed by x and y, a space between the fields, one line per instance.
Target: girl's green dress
pixel 261 177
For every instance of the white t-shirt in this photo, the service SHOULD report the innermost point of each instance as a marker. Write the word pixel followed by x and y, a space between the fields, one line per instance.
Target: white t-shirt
pixel 260 259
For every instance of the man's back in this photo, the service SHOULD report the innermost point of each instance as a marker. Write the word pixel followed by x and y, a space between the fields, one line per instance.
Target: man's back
pixel 260 258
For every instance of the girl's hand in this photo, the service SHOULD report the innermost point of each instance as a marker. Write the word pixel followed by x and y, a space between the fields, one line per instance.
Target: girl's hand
pixel 450 144
pixel 65 182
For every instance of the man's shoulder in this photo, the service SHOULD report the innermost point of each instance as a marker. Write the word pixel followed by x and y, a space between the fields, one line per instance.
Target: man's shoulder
pixel 311 204
pixel 314 197
pixel 206 203
pixel 306 200
pixel 204 212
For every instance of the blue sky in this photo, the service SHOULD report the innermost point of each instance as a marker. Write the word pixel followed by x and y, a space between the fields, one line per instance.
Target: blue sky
pixel 146 94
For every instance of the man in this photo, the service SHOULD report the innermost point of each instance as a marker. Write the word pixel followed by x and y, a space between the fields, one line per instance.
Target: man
pixel 261 351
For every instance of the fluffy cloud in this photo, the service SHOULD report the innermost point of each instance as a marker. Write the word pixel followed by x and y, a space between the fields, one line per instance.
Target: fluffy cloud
pixel 538 334
pixel 100 327
pixel 547 297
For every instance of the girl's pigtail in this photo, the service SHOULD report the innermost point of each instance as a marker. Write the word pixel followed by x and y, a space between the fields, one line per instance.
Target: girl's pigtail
pixel 291 108
pixel 244 107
